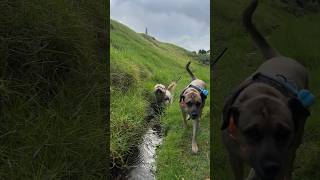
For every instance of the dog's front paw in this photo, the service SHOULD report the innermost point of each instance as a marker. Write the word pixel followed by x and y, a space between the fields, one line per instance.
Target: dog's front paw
pixel 194 148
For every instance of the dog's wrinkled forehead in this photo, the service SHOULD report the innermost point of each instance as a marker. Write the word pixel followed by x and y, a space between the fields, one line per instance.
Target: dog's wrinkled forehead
pixel 266 109
pixel 194 96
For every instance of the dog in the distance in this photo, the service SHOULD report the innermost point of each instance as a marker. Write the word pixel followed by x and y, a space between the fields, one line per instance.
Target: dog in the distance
pixel 192 101
pixel 164 96
pixel 263 118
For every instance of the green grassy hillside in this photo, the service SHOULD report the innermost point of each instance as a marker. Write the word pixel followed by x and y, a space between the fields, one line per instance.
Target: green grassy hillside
pixel 52 89
pixel 296 37
pixel 138 62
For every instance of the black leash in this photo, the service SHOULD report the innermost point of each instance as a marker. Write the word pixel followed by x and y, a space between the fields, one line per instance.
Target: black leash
pixel 178 79
pixel 220 55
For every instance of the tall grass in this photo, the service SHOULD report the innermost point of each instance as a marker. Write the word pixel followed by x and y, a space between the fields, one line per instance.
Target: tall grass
pixel 52 76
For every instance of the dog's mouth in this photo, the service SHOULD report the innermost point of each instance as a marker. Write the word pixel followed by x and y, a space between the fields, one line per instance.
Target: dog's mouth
pixel 269 171
pixel 269 177
pixel 192 116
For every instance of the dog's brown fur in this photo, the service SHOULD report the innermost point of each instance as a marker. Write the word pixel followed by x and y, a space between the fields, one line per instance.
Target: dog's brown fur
pixel 191 105
pixel 261 130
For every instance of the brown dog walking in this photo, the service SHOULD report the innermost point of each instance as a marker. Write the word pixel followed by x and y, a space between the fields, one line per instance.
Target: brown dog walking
pixel 263 119
pixel 192 101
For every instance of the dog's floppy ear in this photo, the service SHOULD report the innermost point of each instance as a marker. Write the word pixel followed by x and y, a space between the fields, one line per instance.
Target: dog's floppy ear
pixel 229 112
pixel 182 95
pixel 181 98
pixel 299 113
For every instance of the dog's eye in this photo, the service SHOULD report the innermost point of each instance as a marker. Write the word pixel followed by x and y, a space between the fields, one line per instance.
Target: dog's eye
pixel 282 134
pixel 253 135
pixel 189 104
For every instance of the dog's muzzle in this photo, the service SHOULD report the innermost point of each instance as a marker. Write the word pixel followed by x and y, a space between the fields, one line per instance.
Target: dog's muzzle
pixel 194 115
pixel 271 169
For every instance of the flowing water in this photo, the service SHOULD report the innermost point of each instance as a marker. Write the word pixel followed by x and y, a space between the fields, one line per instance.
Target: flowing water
pixel 144 166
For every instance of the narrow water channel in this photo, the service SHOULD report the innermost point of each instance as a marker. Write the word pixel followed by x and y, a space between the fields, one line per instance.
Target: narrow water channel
pixel 142 162
pixel 144 166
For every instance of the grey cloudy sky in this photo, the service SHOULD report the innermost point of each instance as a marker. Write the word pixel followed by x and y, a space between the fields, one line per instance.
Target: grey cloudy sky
pixel 182 22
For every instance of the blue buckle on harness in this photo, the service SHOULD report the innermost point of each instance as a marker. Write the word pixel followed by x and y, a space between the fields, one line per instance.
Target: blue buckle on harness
pixel 306 97
pixel 205 92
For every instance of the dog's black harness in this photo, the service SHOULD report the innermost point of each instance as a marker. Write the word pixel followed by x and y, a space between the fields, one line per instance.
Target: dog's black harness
pixel 203 92
pixel 285 88
pixel 260 78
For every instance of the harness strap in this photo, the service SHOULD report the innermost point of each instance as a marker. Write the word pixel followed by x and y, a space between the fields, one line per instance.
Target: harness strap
pixel 258 77
pixel 203 96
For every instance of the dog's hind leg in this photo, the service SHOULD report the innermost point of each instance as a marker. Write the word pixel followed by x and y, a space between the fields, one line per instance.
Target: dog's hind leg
pixel 194 133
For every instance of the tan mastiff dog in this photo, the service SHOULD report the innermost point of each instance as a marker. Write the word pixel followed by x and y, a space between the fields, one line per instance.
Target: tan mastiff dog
pixel 263 119
pixel 192 101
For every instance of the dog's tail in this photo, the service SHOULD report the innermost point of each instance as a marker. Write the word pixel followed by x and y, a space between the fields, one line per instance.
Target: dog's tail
pixel 172 87
pixel 189 71
pixel 267 51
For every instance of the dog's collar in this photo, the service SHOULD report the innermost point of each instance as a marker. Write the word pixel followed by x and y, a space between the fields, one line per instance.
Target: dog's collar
pixel 203 92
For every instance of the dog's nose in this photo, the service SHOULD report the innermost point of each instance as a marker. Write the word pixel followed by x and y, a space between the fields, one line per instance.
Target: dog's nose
pixel 271 168
pixel 194 115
